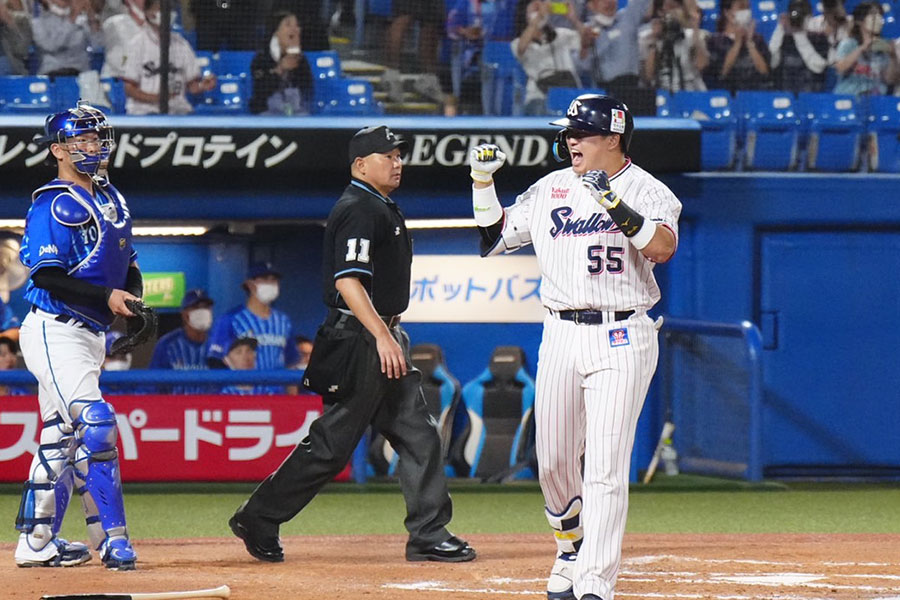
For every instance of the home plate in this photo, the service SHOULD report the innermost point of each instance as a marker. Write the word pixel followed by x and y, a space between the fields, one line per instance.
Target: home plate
pixel 774 579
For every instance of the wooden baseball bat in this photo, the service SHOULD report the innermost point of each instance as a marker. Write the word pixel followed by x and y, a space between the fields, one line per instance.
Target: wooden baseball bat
pixel 667 430
pixel 223 591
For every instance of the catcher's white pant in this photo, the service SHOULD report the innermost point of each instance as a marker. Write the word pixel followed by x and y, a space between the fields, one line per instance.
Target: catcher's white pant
pixel 65 359
pixel 590 388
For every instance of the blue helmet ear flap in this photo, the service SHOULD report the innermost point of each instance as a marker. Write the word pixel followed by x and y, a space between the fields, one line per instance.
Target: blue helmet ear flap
pixel 560 147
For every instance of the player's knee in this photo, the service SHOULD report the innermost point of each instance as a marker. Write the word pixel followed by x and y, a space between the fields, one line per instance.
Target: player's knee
pixel 97 430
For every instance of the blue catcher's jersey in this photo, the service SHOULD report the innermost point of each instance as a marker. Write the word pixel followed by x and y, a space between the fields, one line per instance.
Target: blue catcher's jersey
pixel 274 336
pixel 175 351
pixel 86 234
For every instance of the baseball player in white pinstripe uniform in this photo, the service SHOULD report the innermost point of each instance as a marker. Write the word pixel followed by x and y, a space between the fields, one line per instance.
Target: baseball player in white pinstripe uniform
pixel 597 228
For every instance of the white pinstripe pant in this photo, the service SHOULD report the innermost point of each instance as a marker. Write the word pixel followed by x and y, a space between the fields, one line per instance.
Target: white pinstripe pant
pixel 588 399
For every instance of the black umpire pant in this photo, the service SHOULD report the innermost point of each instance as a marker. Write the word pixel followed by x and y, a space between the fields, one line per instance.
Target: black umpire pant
pixel 395 408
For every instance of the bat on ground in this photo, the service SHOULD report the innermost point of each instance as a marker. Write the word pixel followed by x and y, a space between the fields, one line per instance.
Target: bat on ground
pixel 667 430
pixel 223 591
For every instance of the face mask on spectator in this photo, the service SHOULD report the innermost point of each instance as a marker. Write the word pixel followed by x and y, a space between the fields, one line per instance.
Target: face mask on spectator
pixel 874 23
pixel 266 292
pixel 118 364
pixel 59 11
pixel 743 17
pixel 200 319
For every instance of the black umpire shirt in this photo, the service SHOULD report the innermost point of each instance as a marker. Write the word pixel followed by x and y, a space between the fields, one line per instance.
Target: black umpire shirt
pixel 366 238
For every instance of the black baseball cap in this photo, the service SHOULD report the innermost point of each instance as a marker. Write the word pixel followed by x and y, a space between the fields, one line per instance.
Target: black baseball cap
pixel 372 140
pixel 244 341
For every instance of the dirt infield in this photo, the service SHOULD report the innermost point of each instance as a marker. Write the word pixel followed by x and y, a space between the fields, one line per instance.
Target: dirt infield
pixel 714 567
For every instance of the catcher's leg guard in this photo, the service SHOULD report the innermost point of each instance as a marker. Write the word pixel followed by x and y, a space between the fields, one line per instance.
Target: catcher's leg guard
pixel 100 486
pixel 568 533
pixel 45 498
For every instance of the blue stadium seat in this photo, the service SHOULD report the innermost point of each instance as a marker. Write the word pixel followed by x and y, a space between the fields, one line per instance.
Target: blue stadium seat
pixel 766 12
pixel 500 405
pixel 710 14
pixel 65 92
pixel 233 62
pixel 663 103
pixel 715 112
pixel 559 98
pixel 381 8
pixel 835 131
pixel 344 97
pixel 884 134
pixel 26 94
pixel 324 64
pixel 114 88
pixel 228 97
pixel 770 127
pixel 505 79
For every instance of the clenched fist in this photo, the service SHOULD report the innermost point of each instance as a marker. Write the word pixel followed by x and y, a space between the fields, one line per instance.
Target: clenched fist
pixel 597 183
pixel 485 159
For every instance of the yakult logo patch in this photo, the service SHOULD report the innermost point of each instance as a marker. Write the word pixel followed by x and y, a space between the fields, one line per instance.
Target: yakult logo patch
pixel 559 193
pixel 617 122
pixel 618 337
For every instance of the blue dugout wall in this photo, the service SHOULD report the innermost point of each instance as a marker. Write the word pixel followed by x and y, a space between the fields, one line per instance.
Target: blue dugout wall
pixel 813 259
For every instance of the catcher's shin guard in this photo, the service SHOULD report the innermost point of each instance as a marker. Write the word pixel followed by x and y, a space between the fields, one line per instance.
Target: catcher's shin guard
pixel 97 470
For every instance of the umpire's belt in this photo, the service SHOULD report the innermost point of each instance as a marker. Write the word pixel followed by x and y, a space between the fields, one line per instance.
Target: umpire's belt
pixel 340 317
pixel 68 320
pixel 593 317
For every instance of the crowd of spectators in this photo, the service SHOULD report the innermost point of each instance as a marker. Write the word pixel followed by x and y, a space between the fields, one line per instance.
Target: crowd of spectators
pixel 630 48
pixel 253 336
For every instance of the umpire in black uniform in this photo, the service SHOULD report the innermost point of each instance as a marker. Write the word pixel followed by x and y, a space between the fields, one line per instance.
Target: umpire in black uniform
pixel 361 365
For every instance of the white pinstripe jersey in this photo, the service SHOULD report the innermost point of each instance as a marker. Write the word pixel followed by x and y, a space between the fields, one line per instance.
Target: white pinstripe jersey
pixel 586 262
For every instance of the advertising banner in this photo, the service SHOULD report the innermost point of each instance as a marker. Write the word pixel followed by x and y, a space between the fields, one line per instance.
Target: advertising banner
pixel 178 438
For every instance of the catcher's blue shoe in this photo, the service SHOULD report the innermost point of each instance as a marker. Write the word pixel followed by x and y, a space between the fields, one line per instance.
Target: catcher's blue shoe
pixel 58 553
pixel 117 554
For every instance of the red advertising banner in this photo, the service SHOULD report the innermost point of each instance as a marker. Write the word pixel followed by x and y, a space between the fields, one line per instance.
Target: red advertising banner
pixel 179 438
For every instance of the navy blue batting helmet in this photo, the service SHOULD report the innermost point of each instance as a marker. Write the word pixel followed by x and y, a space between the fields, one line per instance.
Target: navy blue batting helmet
pixel 594 113
pixel 60 128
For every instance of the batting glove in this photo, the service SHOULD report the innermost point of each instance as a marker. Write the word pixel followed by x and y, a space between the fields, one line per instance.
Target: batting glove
pixel 597 183
pixel 485 159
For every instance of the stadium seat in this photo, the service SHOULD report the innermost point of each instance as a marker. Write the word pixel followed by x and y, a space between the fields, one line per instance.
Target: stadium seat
pixel 65 92
pixel 381 8
pixel 766 12
pixel 835 127
pixel 505 79
pixel 228 97
pixel 233 62
pixel 559 98
pixel 26 94
pixel 714 111
pixel 884 134
pixel 663 103
pixel 710 14
pixel 770 127
pixel 114 88
pixel 324 64
pixel 442 397
pixel 344 97
pixel 500 404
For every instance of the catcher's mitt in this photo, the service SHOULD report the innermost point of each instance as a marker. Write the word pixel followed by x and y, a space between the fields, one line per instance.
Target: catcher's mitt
pixel 141 328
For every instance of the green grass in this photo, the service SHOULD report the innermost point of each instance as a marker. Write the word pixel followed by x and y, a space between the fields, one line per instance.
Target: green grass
pixel 681 504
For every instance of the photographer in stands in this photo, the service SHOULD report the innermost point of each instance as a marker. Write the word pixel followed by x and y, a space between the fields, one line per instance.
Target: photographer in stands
pixel 799 57
pixel 676 48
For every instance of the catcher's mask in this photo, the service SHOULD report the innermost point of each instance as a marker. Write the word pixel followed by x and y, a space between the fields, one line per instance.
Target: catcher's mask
pixel 593 114
pixel 89 157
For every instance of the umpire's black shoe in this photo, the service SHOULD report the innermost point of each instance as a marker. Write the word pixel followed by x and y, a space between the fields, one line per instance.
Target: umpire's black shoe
pixel 453 550
pixel 259 545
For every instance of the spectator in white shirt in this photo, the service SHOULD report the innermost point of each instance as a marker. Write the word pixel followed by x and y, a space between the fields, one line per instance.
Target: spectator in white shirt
pixel 119 33
pixel 142 70
pixel 63 33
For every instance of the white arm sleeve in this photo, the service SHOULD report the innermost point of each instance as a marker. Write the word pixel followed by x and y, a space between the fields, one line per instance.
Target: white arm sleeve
pixel 813 61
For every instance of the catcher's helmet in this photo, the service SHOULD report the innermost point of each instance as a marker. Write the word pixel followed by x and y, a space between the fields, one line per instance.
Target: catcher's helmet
pixel 594 113
pixel 84 118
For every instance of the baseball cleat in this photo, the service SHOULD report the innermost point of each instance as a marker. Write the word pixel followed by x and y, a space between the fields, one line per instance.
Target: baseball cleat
pixel 58 553
pixel 452 550
pixel 559 584
pixel 118 555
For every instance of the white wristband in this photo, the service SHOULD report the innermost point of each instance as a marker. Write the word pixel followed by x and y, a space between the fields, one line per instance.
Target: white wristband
pixel 486 206
pixel 644 235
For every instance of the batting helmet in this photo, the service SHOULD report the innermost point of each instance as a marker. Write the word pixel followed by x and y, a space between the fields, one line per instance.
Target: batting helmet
pixel 59 128
pixel 594 113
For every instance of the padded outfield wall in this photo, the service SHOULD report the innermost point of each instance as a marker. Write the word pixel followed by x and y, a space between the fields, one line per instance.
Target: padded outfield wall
pixel 811 258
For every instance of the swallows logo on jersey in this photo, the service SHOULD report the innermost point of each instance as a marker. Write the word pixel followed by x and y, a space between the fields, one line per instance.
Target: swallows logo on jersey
pixel 564 225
